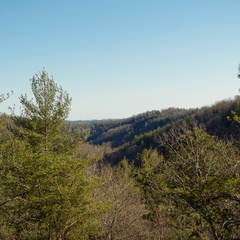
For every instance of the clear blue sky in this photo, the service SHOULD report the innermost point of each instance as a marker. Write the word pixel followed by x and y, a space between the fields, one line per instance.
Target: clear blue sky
pixel 118 58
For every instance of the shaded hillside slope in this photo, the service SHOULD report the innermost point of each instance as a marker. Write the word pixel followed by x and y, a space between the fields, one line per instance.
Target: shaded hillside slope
pixel 119 132
pixel 128 137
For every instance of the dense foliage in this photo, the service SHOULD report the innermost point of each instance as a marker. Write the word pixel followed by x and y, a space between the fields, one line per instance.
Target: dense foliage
pixel 173 174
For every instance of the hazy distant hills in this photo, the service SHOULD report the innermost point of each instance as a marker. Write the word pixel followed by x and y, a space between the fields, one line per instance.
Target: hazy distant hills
pixel 128 137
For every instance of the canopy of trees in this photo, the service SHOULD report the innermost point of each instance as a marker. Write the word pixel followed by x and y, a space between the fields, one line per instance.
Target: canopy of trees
pixel 171 174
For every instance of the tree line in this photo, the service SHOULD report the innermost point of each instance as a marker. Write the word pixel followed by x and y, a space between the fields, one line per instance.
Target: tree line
pixel 185 186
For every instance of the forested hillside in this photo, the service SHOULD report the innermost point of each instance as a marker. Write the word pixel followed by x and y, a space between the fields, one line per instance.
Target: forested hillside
pixel 128 137
pixel 171 174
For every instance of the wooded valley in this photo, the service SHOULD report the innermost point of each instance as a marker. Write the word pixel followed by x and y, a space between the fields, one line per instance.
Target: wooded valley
pixel 172 174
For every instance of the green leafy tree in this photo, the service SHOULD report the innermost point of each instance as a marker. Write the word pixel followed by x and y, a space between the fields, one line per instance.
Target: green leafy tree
pixel 41 120
pixel 48 189
pixel 199 178
pixel 161 210
pixel 3 97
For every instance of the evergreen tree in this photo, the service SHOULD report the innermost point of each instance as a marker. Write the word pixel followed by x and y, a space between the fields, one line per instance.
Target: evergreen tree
pixel 41 120
pixel 55 190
